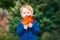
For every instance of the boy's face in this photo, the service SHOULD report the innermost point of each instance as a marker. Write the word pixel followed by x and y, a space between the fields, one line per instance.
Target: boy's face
pixel 25 12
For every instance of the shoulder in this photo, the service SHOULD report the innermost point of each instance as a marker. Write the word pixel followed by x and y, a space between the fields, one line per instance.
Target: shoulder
pixel 35 21
pixel 19 22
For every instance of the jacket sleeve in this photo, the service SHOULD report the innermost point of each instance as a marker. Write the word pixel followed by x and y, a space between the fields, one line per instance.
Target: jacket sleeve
pixel 35 28
pixel 20 29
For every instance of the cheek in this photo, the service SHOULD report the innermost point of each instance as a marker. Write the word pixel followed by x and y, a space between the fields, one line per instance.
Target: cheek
pixel 23 15
pixel 30 14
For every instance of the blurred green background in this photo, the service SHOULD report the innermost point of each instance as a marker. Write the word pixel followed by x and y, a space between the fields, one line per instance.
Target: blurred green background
pixel 46 12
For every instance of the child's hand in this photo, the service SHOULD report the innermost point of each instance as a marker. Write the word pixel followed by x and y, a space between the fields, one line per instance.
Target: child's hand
pixel 30 25
pixel 26 26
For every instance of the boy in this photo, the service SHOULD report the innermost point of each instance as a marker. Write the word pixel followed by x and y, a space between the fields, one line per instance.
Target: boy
pixel 27 31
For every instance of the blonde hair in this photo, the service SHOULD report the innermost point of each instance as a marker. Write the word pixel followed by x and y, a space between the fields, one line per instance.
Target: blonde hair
pixel 26 6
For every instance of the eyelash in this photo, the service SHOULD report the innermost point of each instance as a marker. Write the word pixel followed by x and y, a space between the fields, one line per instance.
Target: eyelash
pixel 24 13
pixel 27 12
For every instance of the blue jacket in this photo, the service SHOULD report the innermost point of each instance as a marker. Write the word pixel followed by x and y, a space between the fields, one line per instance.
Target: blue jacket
pixel 30 33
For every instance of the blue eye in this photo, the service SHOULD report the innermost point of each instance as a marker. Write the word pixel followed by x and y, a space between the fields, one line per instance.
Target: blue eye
pixel 24 13
pixel 28 12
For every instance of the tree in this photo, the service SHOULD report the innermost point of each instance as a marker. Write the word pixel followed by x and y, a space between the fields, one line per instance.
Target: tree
pixel 7 3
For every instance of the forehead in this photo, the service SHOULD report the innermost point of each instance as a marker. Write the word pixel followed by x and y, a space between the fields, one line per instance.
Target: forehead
pixel 25 9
